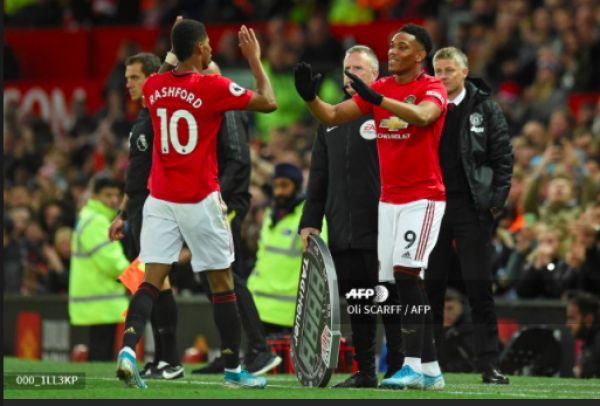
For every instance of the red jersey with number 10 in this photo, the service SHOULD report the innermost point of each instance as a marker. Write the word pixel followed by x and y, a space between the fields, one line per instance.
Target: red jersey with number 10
pixel 408 155
pixel 187 111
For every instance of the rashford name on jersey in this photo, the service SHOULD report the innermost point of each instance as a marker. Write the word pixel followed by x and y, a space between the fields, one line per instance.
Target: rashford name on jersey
pixel 176 92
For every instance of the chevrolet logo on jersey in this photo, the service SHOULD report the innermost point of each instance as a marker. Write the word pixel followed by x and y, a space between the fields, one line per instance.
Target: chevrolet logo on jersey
pixel 393 123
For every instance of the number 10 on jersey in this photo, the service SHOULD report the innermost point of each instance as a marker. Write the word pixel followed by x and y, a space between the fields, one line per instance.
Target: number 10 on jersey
pixel 169 135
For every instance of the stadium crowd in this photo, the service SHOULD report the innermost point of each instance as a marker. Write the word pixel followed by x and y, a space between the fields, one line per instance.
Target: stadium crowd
pixel 534 54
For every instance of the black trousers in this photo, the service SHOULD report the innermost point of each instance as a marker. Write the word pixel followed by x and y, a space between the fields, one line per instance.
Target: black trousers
pixel 471 231
pixel 102 342
pixel 135 206
pixel 358 269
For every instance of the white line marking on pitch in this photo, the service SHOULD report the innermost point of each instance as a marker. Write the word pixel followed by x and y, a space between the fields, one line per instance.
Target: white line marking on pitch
pixel 452 392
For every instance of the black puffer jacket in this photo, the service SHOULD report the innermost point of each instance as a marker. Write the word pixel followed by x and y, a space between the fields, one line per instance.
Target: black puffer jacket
pixel 485 147
pixel 344 185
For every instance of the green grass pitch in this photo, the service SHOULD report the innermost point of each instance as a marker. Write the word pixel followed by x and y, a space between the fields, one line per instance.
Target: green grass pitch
pixel 102 384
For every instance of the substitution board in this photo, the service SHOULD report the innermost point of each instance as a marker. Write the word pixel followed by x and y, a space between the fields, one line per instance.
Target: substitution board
pixel 316 334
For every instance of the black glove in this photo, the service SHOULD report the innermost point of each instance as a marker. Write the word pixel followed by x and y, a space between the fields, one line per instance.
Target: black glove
pixel 306 83
pixel 364 90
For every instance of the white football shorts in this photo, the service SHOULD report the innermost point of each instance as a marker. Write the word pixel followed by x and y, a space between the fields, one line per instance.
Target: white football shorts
pixel 407 234
pixel 203 226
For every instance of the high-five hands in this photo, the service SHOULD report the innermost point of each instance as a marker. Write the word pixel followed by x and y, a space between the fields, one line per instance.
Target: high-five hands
pixel 306 83
pixel 249 45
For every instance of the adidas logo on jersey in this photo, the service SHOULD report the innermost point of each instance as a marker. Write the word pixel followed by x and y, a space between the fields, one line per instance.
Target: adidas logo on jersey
pixel 130 330
pixel 406 255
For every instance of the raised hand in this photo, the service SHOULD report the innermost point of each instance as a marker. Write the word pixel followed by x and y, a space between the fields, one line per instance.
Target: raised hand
pixel 249 45
pixel 306 83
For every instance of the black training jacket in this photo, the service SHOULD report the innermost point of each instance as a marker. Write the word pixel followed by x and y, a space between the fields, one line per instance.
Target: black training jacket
pixel 140 155
pixel 344 185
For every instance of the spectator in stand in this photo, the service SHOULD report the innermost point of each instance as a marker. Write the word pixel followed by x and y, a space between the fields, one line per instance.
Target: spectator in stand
pixel 58 258
pixel 558 208
pixel 560 124
pixel 456 352
pixel 535 133
pixel 545 274
pixel 52 217
pixel 12 263
pixel 22 160
pixel 540 32
pixel 524 152
pixel 514 217
pixel 512 105
pixel 228 52
pixel 76 194
pixel 583 320
pixel 503 64
pixel 588 56
pixel 321 49
pixel 590 240
pixel 584 116
pixel 595 127
pixel 544 95
pixel 585 146
pixel 36 270
pixel 83 123
pixel 524 244
pixel 19 218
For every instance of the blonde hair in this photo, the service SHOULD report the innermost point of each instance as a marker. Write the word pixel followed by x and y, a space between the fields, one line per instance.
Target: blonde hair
pixel 452 53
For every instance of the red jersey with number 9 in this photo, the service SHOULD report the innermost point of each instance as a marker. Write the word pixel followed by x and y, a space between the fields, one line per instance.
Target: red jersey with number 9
pixel 408 155
pixel 187 110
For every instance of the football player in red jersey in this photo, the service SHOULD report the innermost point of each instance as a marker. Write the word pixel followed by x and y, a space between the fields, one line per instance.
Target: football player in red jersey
pixel 409 109
pixel 185 204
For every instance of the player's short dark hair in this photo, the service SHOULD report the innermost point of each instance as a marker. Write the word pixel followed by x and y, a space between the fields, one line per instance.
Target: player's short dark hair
pixel 150 62
pixel 103 182
pixel 420 34
pixel 184 37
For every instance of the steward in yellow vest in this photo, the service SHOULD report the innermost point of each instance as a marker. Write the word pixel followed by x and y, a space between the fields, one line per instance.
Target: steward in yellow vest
pixel 274 281
pixel 96 298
